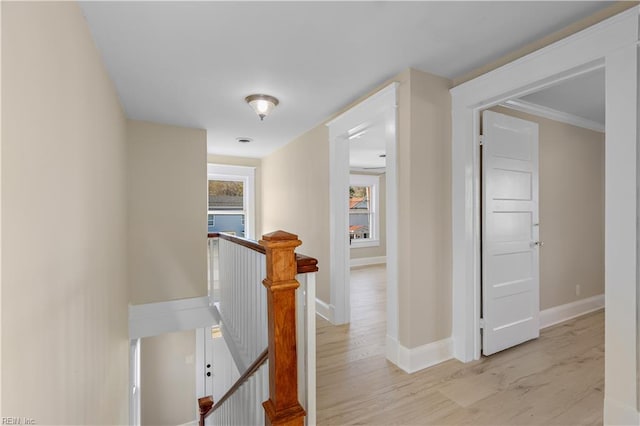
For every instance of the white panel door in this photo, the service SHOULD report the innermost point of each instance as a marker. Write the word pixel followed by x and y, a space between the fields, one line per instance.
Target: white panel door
pixel 510 246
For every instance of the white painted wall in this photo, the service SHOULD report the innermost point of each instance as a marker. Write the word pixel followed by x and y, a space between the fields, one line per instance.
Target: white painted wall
pixel 64 282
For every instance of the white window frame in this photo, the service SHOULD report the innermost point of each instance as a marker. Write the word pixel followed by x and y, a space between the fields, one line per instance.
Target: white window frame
pixel 372 181
pixel 243 174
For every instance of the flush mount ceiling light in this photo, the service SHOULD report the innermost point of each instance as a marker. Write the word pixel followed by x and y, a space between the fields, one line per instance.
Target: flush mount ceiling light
pixel 244 140
pixel 262 104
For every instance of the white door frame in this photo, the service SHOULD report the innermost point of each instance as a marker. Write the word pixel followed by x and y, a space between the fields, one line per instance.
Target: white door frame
pixel 135 402
pixel 380 106
pixel 612 44
pixel 204 356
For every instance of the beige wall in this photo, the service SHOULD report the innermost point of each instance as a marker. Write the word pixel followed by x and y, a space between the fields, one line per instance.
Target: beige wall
pixel 168 379
pixel 247 162
pixel 424 161
pixel 571 166
pixel 295 188
pixel 64 311
pixel 167 205
pixel 381 250
pixel 1 134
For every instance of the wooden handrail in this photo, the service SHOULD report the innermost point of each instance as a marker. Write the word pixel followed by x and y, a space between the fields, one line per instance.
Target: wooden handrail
pixel 262 358
pixel 305 264
pixel 250 244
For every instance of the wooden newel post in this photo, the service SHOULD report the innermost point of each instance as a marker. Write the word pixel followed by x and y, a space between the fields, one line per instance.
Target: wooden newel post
pixel 282 407
pixel 206 405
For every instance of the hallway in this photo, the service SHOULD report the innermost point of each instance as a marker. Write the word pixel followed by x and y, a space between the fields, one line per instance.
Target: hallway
pixel 556 379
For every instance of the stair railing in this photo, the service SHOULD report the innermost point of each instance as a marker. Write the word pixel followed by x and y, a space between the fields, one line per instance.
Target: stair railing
pixel 284 373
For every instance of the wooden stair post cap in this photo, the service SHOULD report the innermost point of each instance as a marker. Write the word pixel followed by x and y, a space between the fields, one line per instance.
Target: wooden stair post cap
pixel 279 236
pixel 205 404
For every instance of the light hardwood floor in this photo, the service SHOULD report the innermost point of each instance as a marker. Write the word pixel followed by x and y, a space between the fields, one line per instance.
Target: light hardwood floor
pixel 557 379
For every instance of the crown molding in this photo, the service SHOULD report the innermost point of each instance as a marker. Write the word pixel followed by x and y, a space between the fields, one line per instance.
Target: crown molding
pixel 553 114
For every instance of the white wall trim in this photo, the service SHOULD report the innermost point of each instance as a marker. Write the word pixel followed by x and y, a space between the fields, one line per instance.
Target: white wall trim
pixel 553 114
pixel 564 50
pixel 325 310
pixel 152 319
pixel 135 403
pixel 617 413
pixel 374 105
pixel 421 357
pixel 192 423
pixel 364 261
pixel 392 349
pixel 380 106
pixel 561 313
pixel 363 243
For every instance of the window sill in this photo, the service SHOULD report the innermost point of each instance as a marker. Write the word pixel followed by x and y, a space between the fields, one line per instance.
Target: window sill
pixel 364 243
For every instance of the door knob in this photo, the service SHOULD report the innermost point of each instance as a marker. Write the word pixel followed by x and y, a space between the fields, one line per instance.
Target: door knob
pixel 538 243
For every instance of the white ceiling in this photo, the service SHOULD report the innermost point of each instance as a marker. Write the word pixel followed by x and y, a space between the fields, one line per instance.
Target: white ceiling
pixel 365 150
pixel 192 63
pixel 581 96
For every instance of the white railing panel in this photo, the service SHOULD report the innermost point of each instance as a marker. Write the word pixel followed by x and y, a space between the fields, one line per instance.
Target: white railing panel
pixel 213 271
pixel 306 344
pixel 243 300
pixel 244 407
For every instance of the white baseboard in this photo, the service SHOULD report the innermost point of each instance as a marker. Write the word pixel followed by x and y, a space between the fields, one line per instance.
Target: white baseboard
pixel 391 349
pixel 561 313
pixel 617 413
pixel 412 360
pixel 364 261
pixel 324 310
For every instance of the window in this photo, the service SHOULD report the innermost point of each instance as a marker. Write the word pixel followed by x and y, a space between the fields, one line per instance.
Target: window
pixel 230 200
pixel 363 208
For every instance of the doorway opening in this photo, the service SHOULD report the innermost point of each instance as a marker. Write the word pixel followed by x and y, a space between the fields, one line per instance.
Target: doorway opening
pixel 542 210
pixel 363 210
pixel 612 45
